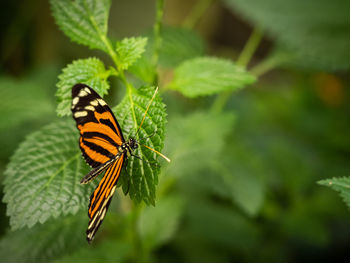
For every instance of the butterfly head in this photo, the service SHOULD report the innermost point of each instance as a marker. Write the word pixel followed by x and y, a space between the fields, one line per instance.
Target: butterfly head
pixel 133 143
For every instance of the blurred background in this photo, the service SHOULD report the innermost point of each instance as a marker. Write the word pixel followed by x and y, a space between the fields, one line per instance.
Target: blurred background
pixel 241 187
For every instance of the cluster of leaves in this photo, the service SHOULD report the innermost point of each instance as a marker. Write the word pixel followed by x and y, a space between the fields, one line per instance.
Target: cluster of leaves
pixel 42 178
pixel 314 33
pixel 305 38
pixel 217 180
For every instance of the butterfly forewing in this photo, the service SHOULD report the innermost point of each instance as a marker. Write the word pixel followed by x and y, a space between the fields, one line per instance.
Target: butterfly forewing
pixel 100 139
pixel 100 134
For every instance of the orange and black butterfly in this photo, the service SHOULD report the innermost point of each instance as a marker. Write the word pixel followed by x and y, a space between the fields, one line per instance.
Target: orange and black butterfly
pixel 103 147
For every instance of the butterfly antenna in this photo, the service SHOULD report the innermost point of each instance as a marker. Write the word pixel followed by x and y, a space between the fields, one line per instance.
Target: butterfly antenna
pixel 149 104
pixel 166 158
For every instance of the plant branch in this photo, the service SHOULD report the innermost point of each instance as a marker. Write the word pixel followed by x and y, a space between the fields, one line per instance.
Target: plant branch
pixel 243 60
pixel 250 47
pixel 271 62
pixel 139 252
pixel 196 13
pixel 106 41
pixel 157 33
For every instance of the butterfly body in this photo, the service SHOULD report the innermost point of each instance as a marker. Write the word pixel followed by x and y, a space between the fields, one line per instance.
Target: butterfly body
pixel 128 147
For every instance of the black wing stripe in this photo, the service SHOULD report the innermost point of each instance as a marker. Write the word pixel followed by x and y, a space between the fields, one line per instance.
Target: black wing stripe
pixel 98 149
pixel 109 124
pixel 91 162
pixel 100 135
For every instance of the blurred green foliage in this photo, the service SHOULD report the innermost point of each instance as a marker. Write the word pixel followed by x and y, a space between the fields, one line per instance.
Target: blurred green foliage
pixel 248 146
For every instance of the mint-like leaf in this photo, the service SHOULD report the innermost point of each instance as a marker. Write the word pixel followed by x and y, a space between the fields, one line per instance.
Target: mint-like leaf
pixel 239 184
pixel 142 175
pixel 220 170
pixel 143 69
pixel 209 75
pixel 178 45
pixel 158 224
pixel 225 223
pixel 90 71
pixel 107 251
pixel 19 105
pixel 129 50
pixel 44 243
pixel 83 21
pixel 42 179
pixel 320 39
pixel 190 138
pixel 341 185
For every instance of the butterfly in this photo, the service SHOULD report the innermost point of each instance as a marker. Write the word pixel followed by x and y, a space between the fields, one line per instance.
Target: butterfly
pixel 103 147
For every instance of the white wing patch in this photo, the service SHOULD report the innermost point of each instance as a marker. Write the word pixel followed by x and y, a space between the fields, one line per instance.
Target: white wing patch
pixel 75 102
pixel 80 114
pixel 90 108
pixel 102 102
pixel 94 102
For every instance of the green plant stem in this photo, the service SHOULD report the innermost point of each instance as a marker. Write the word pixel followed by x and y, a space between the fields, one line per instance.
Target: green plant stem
pixel 243 60
pixel 268 64
pixel 120 72
pixel 129 92
pixel 196 13
pixel 111 51
pixel 250 47
pixel 157 37
pixel 139 252
pixel 106 41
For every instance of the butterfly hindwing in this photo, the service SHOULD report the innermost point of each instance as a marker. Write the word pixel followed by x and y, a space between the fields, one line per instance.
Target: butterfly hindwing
pixel 102 196
pixel 100 134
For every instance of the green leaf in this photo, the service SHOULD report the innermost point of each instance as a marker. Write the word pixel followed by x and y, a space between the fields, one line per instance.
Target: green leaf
pixel 143 69
pixel 90 71
pixel 195 140
pixel 108 251
pixel 178 45
pixel 209 75
pixel 42 179
pixel 29 103
pixel 83 21
pixel 303 221
pixel 19 105
pixel 202 153
pixel 239 183
pixel 341 185
pixel 316 31
pixel 129 50
pixel 43 243
pixel 142 175
pixel 157 225
pixel 220 225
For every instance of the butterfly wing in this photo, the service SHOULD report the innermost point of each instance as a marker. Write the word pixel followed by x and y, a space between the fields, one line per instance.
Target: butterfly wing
pixel 100 134
pixel 102 196
pixel 100 138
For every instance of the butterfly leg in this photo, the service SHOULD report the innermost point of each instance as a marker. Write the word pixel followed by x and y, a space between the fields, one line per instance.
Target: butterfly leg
pixel 128 176
pixel 94 172
pixel 99 169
